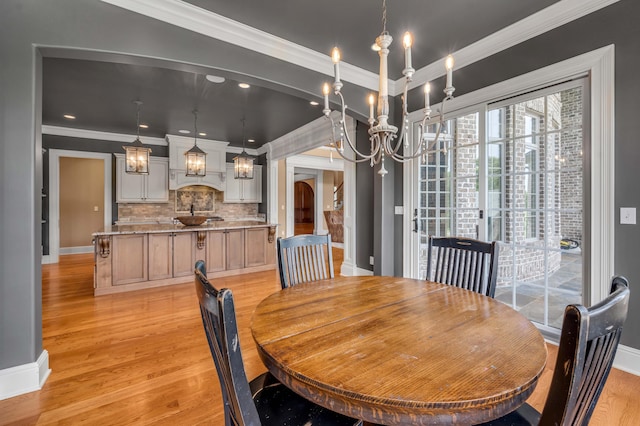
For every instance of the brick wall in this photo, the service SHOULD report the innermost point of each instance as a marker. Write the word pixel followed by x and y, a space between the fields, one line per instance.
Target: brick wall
pixel 166 211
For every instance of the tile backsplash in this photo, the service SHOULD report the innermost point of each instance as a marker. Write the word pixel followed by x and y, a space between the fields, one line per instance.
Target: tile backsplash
pixel 206 201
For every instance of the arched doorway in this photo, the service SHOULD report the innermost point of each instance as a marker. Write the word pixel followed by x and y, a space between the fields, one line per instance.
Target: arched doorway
pixel 304 212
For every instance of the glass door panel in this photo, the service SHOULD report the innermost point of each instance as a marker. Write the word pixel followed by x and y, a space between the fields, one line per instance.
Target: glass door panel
pixel 513 174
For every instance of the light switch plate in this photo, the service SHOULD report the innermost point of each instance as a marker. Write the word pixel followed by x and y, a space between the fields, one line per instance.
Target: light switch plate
pixel 399 210
pixel 627 215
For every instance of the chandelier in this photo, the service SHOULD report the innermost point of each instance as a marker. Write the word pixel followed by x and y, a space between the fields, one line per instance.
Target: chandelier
pixel 136 155
pixel 195 158
pixel 383 135
pixel 243 163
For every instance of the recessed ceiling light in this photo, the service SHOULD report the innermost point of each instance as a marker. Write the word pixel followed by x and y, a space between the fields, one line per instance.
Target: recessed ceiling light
pixel 184 132
pixel 202 134
pixel 215 78
pixel 314 103
pixel 251 140
pixel 144 126
pixel 69 117
pixel 243 85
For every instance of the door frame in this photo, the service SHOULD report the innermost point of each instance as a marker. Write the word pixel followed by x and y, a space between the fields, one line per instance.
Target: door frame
pixel 599 66
pixel 54 195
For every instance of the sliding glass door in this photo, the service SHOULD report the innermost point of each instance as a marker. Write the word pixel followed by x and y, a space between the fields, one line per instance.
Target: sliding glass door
pixel 513 172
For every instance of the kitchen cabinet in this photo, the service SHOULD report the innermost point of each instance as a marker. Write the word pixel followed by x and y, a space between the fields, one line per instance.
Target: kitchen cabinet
pixel 151 188
pixel 235 248
pixel 243 190
pixel 256 247
pixel 225 250
pixel 216 160
pixel 216 256
pixel 134 257
pixel 171 255
pixel 129 259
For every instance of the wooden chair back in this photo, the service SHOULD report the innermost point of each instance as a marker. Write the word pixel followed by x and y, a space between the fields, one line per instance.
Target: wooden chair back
pixel 219 320
pixel 588 344
pixel 304 258
pixel 463 262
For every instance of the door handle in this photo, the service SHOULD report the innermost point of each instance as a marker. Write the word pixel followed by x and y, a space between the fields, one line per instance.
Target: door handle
pixel 415 220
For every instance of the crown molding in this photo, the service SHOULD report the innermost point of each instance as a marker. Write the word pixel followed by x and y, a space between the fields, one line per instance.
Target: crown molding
pixel 103 136
pixel 545 20
pixel 193 18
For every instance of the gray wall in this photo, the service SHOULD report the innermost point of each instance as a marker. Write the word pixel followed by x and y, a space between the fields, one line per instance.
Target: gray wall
pixel 92 25
pixel 72 28
pixel 616 24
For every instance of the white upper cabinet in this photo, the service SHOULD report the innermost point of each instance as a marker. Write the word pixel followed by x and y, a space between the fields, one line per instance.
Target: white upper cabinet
pixel 243 190
pixel 216 162
pixel 151 188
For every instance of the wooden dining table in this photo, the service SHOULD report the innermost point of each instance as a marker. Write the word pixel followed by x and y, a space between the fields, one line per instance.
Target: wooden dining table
pixel 399 351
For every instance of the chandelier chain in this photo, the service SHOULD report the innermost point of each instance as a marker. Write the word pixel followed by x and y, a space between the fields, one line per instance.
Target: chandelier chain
pixel 384 16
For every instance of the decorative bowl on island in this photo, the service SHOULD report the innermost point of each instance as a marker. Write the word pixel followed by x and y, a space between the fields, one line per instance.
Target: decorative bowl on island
pixel 191 220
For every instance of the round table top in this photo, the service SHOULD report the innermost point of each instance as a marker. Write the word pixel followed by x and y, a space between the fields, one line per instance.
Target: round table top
pixel 393 350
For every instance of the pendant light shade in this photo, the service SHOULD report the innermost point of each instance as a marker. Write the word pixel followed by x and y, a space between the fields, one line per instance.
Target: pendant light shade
pixel 136 155
pixel 196 159
pixel 243 163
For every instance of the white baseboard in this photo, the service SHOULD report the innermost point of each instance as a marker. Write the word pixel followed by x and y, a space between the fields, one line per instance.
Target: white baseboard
pixel 627 359
pixel 361 271
pixel 24 378
pixel 76 250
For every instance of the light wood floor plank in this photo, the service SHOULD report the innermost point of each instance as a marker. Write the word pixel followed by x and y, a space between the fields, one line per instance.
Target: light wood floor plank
pixel 141 357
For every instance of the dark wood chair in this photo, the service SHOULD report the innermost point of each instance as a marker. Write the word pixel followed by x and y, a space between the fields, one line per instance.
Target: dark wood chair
pixel 263 401
pixel 304 258
pixel 588 344
pixel 463 262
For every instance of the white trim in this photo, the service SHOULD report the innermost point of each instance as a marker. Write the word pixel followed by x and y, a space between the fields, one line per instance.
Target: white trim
pixel 627 359
pixel 318 164
pixel 237 150
pixel 210 24
pixel 310 136
pixel 599 64
pixel 361 272
pixel 24 378
pixel 76 250
pixel 193 18
pixel 103 136
pixel 554 16
pixel 272 191
pixel 54 193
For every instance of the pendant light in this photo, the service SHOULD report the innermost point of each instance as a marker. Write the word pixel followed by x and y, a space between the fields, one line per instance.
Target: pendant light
pixel 136 155
pixel 196 159
pixel 243 163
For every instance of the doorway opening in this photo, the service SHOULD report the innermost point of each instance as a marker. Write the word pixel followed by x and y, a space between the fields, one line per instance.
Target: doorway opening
pixel 303 206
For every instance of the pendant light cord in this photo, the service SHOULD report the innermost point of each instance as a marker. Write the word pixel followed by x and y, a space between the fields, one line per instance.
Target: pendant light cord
pixel 195 127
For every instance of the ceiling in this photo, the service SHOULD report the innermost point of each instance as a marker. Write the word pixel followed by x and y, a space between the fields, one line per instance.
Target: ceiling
pixel 100 94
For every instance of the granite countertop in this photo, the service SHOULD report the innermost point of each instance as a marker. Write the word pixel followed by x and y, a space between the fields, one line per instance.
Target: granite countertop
pixel 167 227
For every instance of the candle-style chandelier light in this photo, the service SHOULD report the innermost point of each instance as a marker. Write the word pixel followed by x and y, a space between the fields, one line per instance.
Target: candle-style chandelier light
pixel 381 133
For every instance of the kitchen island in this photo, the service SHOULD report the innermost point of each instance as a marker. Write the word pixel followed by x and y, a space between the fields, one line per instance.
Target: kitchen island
pixel 134 257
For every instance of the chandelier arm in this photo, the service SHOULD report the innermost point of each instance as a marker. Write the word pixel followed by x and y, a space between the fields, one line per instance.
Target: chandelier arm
pixel 346 133
pixel 339 151
pixel 351 160
pixel 419 149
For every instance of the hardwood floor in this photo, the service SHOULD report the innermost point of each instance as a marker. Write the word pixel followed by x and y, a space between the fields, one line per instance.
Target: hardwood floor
pixel 142 358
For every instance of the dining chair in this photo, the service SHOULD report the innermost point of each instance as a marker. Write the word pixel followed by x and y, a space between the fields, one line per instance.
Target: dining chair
pixel 304 258
pixel 463 262
pixel 588 344
pixel 264 400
